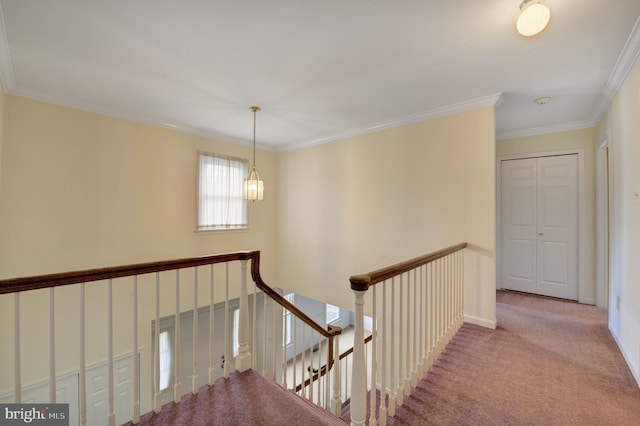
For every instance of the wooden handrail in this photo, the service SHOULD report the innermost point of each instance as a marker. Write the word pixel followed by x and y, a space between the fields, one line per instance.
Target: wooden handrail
pixel 349 351
pixel 364 281
pixel 323 370
pixel 255 274
pixel 14 285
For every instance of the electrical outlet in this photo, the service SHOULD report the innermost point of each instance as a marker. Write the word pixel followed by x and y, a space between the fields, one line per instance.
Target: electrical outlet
pixel 618 302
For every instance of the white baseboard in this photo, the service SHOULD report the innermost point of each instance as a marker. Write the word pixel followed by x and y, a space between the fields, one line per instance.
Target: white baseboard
pixel 588 301
pixel 482 322
pixel 636 374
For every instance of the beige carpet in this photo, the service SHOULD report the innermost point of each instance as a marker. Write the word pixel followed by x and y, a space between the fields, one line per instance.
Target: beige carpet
pixel 549 362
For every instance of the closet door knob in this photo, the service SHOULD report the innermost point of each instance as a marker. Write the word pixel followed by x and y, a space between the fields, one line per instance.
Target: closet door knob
pixel 540 234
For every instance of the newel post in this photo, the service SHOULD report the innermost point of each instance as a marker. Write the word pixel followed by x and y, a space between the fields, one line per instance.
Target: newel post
pixel 358 373
pixel 243 359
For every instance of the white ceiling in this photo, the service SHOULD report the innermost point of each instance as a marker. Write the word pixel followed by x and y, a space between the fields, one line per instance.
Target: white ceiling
pixel 320 69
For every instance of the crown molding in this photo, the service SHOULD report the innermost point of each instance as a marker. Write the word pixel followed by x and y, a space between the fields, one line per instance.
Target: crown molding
pixel 6 69
pixel 621 69
pixel 195 131
pixel 491 100
pixel 555 128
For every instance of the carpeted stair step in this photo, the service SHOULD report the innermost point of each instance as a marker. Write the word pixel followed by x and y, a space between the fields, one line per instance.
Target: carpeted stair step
pixel 246 398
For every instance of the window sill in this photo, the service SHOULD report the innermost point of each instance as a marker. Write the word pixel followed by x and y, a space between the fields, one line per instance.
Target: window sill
pixel 204 231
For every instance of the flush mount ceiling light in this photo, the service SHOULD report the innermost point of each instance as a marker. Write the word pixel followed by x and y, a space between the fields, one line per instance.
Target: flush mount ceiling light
pixel 253 186
pixel 534 17
pixel 543 100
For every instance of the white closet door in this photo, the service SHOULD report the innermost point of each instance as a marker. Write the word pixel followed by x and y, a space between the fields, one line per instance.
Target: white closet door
pixel 539 228
pixel 519 232
pixel 557 246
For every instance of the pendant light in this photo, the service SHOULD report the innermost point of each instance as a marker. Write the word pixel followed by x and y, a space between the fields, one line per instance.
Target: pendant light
pixel 534 17
pixel 253 186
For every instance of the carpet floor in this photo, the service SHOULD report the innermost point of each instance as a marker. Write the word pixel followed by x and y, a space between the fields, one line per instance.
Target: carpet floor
pixel 244 399
pixel 549 362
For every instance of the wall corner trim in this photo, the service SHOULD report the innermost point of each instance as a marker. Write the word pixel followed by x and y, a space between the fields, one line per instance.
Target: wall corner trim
pixel 482 322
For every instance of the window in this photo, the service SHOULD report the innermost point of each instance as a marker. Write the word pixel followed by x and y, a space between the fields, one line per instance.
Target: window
pixel 165 359
pixel 221 203
pixel 236 332
pixel 287 321
pixel 333 313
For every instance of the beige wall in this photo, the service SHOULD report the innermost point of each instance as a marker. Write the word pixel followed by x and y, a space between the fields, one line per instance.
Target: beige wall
pixel 1 130
pixel 585 140
pixel 621 127
pixel 358 204
pixel 81 190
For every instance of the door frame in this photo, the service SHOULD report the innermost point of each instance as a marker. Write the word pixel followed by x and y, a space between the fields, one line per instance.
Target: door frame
pixel 603 202
pixel 582 291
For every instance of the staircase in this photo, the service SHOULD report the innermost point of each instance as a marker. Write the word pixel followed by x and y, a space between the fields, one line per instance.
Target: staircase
pixel 415 306
pixel 246 398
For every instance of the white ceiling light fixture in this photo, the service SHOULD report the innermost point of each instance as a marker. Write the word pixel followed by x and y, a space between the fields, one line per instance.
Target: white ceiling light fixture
pixel 543 100
pixel 534 17
pixel 253 186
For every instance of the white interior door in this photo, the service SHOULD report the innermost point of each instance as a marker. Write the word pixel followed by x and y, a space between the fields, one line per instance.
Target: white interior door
pixel 557 246
pixel 519 228
pixel 539 227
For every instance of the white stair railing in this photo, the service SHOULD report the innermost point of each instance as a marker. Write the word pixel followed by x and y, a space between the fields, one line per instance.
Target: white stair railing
pixel 421 309
pixel 172 292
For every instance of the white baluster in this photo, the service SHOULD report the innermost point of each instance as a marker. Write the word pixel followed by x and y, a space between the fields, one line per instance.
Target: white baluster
pixel 52 346
pixel 264 334
pixel 415 346
pixel 359 381
pixel 441 304
pixel 347 382
pixel 195 379
pixel 374 356
pixel 82 382
pixel 449 299
pixel 177 386
pixel 457 287
pixel 401 369
pixel 382 416
pixel 304 351
pixel 136 359
pixel 212 353
pixel 327 396
pixel 157 398
pixel 17 379
pixel 426 318
pixel 311 382
pixel 432 312
pixel 461 284
pixel 110 401
pixel 274 315
pixel 422 329
pixel 227 355
pixel 336 401
pixel 295 354
pixel 243 359
pixel 392 351
pixel 284 348
pixel 254 331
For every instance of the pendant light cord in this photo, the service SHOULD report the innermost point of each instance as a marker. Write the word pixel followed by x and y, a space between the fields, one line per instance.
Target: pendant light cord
pixel 254 109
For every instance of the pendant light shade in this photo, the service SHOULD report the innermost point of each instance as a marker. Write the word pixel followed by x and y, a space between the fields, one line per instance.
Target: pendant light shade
pixel 253 186
pixel 534 18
